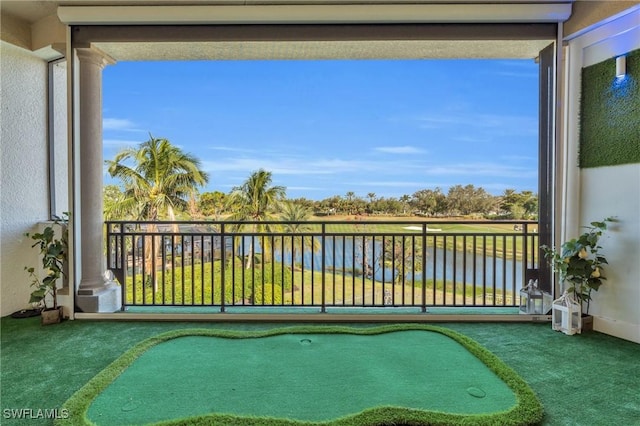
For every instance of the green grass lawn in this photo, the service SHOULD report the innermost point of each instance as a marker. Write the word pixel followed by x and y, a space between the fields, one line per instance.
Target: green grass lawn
pixel 272 283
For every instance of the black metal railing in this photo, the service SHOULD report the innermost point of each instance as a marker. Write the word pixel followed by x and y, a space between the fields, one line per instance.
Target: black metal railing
pixel 322 264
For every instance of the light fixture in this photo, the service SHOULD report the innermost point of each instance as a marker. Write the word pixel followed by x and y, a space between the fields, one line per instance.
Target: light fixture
pixel 621 66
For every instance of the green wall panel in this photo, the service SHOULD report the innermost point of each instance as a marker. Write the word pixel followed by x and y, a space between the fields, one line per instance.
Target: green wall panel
pixel 610 114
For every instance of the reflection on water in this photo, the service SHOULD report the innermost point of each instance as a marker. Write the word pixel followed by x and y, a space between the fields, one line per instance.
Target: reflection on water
pixel 355 256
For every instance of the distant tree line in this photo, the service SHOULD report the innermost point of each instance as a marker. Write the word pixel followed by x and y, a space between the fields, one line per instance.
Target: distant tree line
pixel 159 181
pixel 467 200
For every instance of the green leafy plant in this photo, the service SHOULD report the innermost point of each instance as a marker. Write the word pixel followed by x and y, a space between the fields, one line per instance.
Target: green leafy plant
pixel 580 263
pixel 54 252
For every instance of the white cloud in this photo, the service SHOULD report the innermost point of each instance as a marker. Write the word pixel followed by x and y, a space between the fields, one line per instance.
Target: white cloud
pixel 304 166
pixel 283 166
pixel 481 169
pixel 395 174
pixel 304 188
pixel 121 124
pixel 393 184
pixel 120 143
pixel 230 149
pixel 338 165
pixel 472 139
pixel 494 124
pixel 399 149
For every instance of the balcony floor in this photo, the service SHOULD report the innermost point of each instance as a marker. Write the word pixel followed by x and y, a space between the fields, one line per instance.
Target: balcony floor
pixel 589 379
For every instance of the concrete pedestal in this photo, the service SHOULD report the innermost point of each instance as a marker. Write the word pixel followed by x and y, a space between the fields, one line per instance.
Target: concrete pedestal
pixel 105 299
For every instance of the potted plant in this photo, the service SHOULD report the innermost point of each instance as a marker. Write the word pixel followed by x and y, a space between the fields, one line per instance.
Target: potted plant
pixel 580 264
pixel 54 251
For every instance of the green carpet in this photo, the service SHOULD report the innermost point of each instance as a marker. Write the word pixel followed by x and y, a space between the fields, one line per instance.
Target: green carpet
pixel 396 374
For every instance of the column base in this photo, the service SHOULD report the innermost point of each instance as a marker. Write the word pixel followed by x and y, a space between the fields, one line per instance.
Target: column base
pixel 100 300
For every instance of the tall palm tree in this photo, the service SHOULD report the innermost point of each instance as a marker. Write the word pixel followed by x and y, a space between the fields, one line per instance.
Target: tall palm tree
pixel 296 215
pixel 256 200
pixel 158 179
pixel 371 196
pixel 404 200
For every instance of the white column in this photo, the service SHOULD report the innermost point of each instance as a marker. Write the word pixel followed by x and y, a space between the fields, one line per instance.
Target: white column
pixel 94 293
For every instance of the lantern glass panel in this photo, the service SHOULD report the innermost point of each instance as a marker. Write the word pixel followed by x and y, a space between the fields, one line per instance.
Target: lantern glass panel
pixel 566 315
pixel 531 299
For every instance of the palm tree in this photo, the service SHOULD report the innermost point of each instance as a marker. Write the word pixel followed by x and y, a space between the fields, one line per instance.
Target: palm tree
pixel 372 198
pixel 404 200
pixel 349 202
pixel 158 179
pixel 295 215
pixel 256 200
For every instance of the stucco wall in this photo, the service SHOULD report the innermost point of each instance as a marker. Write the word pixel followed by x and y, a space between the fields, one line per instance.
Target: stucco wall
pixel 589 12
pixel 23 169
pixel 595 193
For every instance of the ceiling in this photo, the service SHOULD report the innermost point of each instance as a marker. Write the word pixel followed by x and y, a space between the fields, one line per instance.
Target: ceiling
pixel 33 11
pixel 315 50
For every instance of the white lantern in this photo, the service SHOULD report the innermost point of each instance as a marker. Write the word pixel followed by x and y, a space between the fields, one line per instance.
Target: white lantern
pixel 566 315
pixel 531 299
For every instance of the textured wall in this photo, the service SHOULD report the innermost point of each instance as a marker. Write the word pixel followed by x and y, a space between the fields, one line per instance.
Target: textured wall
pixel 588 12
pixel 23 169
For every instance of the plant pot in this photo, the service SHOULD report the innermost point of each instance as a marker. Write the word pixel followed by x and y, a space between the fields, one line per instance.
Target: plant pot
pixel 587 323
pixel 51 316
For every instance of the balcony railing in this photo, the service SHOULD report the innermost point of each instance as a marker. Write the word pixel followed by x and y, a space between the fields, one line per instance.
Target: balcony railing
pixel 322 264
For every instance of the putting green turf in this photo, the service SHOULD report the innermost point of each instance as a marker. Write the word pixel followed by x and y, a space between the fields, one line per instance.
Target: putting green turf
pixel 413 374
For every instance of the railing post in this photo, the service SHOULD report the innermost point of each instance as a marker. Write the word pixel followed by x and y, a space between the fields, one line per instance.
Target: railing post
pixel 323 308
pixel 525 251
pixel 424 268
pixel 118 263
pixel 223 266
pixel 124 265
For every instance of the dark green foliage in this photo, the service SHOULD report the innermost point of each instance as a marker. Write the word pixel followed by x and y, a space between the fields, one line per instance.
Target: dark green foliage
pixel 53 252
pixel 198 286
pixel 579 262
pixel 610 114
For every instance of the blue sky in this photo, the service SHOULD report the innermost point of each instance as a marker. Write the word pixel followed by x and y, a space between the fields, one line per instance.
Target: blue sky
pixel 324 128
